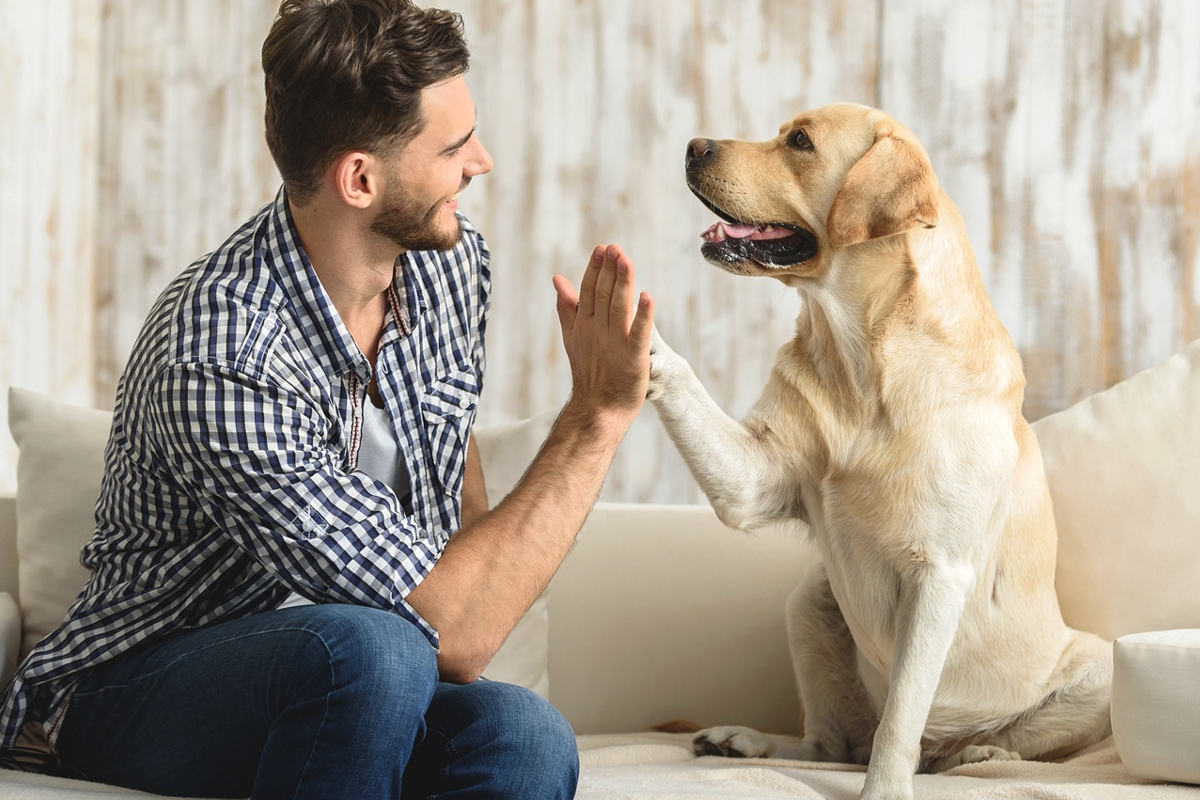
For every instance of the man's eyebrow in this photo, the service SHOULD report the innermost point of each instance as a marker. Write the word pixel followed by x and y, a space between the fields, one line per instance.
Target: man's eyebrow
pixel 460 143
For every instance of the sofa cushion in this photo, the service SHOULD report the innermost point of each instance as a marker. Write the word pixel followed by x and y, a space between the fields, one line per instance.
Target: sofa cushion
pixel 59 469
pixel 1156 704
pixel 1124 471
pixel 60 463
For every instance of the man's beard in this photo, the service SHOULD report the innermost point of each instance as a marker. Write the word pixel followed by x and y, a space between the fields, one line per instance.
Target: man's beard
pixel 408 225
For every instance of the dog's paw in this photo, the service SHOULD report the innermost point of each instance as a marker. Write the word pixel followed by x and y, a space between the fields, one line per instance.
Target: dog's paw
pixel 664 366
pixel 973 754
pixel 732 742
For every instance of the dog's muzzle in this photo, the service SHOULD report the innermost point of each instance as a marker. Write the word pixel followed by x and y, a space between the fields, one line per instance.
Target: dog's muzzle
pixel 733 241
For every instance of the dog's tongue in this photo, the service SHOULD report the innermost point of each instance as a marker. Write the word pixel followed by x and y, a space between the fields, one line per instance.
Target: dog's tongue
pixel 738 231
pixel 723 230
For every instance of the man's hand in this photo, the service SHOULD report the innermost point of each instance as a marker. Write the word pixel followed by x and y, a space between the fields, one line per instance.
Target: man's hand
pixel 606 333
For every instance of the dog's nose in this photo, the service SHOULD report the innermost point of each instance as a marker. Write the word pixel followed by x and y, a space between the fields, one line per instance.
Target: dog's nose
pixel 699 150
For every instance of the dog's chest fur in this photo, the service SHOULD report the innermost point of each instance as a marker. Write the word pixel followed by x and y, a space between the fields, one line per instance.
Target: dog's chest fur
pixel 902 467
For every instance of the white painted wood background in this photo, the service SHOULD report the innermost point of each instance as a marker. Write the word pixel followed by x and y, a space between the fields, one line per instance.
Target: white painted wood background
pixel 1068 132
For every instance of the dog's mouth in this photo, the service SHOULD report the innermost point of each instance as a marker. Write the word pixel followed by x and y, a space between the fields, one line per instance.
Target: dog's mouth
pixel 774 244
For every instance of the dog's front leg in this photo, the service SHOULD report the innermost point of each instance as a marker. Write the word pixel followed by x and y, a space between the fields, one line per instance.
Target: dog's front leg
pixel 932 598
pixel 733 464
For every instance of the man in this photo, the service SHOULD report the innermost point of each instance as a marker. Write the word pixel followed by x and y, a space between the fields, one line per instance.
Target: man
pixel 293 430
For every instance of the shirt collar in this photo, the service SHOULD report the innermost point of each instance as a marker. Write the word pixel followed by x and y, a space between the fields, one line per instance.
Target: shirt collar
pixel 319 321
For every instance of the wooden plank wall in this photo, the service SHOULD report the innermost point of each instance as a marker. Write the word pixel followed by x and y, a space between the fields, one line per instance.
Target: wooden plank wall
pixel 49 161
pixel 1068 131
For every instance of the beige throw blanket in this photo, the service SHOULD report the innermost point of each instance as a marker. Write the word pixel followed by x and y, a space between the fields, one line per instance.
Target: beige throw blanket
pixel 660 766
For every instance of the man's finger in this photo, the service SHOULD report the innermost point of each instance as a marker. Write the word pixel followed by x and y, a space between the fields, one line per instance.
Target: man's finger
pixel 621 309
pixel 587 287
pixel 607 280
pixel 640 332
pixel 566 304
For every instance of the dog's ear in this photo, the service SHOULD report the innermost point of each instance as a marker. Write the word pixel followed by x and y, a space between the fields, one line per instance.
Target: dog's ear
pixel 890 190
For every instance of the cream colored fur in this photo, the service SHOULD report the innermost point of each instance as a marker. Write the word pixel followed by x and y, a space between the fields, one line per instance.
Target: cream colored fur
pixel 891 426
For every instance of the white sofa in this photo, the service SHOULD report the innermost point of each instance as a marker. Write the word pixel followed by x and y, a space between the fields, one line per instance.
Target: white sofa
pixel 661 613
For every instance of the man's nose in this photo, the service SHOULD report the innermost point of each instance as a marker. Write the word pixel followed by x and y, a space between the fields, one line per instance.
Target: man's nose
pixel 481 164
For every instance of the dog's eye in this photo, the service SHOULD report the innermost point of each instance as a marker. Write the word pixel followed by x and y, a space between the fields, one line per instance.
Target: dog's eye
pixel 800 140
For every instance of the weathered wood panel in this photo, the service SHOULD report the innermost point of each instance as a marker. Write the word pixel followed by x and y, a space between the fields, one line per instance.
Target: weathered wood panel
pixel 49 79
pixel 1067 132
pixel 183 161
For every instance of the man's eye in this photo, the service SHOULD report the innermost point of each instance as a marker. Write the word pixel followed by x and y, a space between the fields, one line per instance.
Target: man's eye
pixel 800 141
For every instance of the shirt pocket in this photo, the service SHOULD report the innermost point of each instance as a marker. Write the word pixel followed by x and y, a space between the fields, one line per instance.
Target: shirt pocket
pixel 448 407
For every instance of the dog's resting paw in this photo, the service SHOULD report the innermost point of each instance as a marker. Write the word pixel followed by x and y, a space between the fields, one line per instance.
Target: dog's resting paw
pixel 973 754
pixel 732 742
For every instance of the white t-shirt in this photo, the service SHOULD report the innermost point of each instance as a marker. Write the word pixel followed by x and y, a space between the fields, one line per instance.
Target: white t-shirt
pixel 378 457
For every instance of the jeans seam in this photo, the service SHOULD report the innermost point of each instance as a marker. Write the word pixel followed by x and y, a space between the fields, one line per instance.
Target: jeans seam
pixel 303 778
pixel 303 775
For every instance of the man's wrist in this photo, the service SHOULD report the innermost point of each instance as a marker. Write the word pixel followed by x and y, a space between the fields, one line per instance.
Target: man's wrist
pixel 606 426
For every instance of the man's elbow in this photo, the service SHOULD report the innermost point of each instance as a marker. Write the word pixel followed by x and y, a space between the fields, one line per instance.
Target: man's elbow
pixel 462 666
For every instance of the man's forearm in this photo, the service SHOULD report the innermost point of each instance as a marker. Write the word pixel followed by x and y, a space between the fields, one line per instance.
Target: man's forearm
pixel 495 567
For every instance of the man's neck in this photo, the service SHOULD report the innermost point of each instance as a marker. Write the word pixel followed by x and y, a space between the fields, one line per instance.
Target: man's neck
pixel 354 265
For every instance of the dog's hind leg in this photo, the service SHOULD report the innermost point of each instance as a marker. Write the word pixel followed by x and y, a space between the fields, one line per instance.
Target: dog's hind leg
pixel 837 721
pixel 1075 714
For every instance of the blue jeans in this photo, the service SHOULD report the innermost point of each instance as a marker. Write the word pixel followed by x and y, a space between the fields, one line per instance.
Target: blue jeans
pixel 317 702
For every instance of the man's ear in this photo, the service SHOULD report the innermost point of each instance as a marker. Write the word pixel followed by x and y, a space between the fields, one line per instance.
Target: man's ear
pixel 890 190
pixel 355 178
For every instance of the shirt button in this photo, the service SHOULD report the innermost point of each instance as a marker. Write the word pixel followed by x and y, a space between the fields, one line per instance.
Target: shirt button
pixel 464 402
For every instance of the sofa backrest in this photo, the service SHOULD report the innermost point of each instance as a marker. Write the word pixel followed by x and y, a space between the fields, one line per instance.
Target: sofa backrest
pixel 662 613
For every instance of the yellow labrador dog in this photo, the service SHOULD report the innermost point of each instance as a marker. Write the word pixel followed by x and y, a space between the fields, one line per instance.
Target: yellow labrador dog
pixel 891 424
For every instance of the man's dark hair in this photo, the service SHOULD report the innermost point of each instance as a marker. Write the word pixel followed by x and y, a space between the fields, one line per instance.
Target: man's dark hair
pixel 347 75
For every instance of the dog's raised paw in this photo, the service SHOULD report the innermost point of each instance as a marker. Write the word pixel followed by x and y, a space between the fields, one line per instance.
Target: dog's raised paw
pixel 666 367
pixel 731 742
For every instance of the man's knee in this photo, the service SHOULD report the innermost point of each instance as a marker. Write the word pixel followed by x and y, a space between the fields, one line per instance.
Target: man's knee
pixel 538 737
pixel 364 657
pixel 525 712
pixel 517 728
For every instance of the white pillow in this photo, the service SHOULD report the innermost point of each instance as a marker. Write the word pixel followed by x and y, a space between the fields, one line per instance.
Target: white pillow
pixel 61 463
pixel 1156 704
pixel 1124 471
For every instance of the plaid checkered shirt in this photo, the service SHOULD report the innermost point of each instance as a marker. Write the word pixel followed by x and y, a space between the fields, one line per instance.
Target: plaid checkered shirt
pixel 229 473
